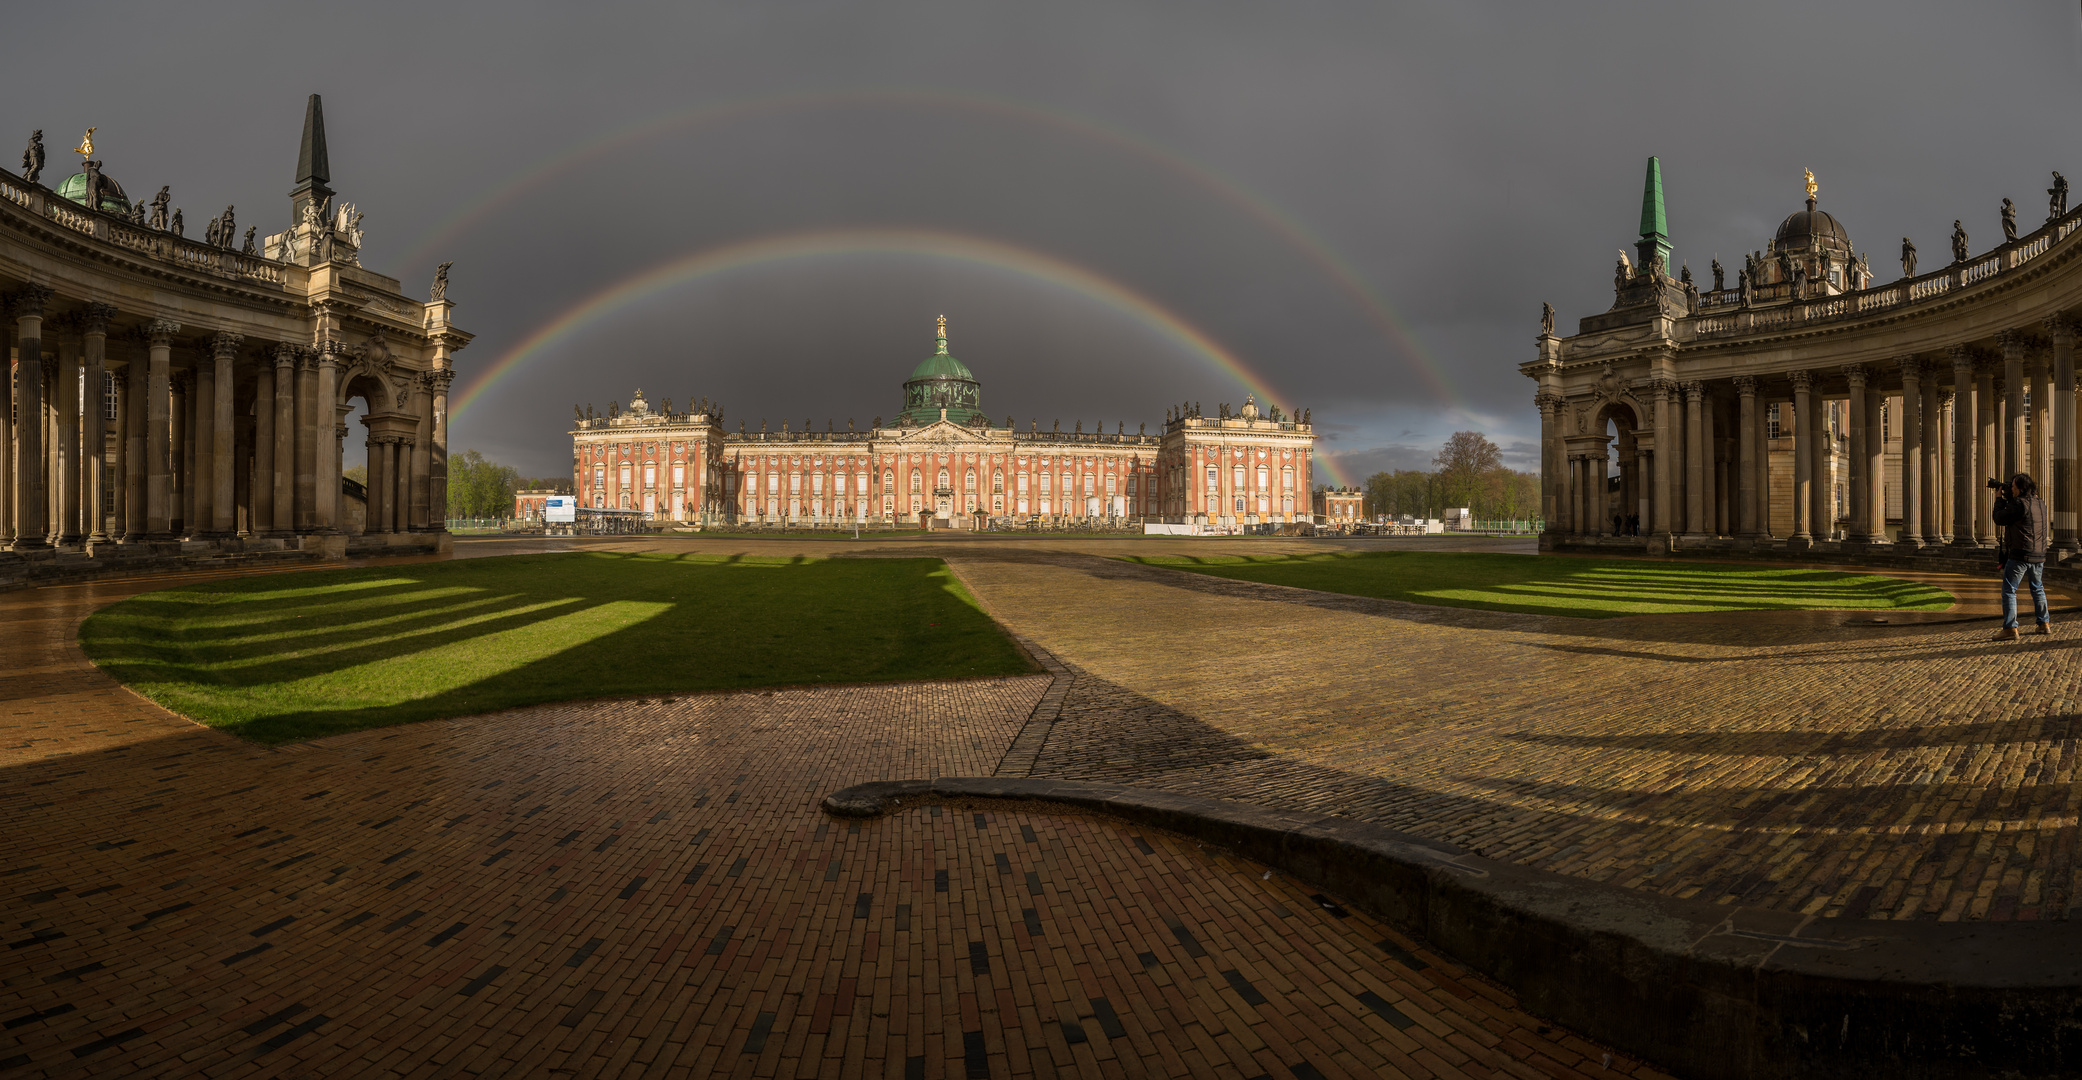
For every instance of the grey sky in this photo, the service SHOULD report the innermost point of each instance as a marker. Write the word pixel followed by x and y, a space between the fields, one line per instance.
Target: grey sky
pixel 1256 169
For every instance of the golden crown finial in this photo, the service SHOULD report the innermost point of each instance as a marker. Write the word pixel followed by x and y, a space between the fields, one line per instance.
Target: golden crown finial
pixel 1811 186
pixel 943 326
pixel 86 146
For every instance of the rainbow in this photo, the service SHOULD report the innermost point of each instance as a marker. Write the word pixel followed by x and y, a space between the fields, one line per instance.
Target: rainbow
pixel 1334 267
pixel 823 244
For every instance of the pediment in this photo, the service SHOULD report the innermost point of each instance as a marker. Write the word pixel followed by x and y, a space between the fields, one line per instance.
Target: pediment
pixel 941 431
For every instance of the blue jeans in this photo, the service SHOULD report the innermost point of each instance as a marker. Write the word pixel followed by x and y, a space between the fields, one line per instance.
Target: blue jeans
pixel 2018 570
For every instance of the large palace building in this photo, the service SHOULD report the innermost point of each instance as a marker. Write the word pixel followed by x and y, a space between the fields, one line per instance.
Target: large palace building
pixel 942 462
pixel 173 396
pixel 1809 405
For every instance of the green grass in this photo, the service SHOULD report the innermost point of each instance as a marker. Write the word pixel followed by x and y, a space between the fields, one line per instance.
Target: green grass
pixel 1585 588
pixel 283 657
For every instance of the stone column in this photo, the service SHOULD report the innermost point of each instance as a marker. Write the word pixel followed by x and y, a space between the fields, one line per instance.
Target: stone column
pixel 120 464
pixel 136 402
pixel 242 473
pixel 223 517
pixel 2065 494
pixel 281 477
pixel 1988 449
pixel 2041 467
pixel 94 422
pixel 158 434
pixel 1933 440
pixel 1694 461
pixel 397 502
pixel 1822 515
pixel 1666 453
pixel 328 413
pixel 1747 456
pixel 1860 466
pixel 1911 451
pixel 373 521
pixel 31 531
pixel 411 504
pixel 1803 459
pixel 188 394
pixel 1875 471
pixel 261 520
pixel 422 470
pixel 1709 479
pixel 437 446
pixel 65 414
pixel 1552 463
pixel 1966 408
pixel 313 432
pixel 2014 453
pixel 200 483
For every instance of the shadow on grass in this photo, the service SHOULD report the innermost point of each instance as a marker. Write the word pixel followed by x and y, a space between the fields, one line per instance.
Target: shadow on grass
pixel 1584 589
pixel 306 655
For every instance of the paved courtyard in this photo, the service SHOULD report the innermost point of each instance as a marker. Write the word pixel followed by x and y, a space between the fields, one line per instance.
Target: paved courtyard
pixel 643 888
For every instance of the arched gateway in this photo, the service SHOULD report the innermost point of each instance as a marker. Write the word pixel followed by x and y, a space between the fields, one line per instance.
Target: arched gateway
pixel 217 375
pixel 1808 406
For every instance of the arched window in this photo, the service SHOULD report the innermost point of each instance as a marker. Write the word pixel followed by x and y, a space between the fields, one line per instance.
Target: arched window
pixel 997 480
pixel 943 479
pixel 1214 478
pixel 971 485
pixel 917 483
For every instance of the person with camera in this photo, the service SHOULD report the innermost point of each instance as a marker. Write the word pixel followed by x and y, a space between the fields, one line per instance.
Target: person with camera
pixel 2025 535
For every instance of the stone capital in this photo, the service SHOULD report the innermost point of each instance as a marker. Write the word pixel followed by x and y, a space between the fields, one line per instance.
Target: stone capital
pixel 438 380
pixel 1663 387
pixel 1911 368
pixel 226 344
pixel 27 302
pixel 285 354
pixel 1745 385
pixel 1963 359
pixel 1803 380
pixel 2012 342
pixel 1856 374
pixel 95 317
pixel 178 380
pixel 160 332
pixel 2061 328
pixel 1694 392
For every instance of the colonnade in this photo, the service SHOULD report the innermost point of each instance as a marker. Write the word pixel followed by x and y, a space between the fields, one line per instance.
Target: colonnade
pixel 1698 464
pixel 201 439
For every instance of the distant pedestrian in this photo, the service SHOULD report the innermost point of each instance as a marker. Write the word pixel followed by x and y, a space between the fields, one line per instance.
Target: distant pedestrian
pixel 1633 524
pixel 2021 553
pixel 1619 525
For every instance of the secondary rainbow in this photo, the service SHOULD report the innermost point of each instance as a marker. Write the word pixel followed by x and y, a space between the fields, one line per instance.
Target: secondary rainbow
pixel 1339 271
pixel 689 270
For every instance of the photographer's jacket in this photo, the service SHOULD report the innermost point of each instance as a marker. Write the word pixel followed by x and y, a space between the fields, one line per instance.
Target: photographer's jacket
pixel 2025 530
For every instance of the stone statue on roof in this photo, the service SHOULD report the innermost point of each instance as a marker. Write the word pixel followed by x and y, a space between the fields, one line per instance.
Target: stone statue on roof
pixel 249 249
pixel 1958 241
pixel 2009 222
pixel 441 280
pixel 1908 258
pixel 32 157
pixel 2057 197
pixel 1717 278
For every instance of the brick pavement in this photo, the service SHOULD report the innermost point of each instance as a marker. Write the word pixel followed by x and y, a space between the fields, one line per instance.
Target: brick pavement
pixel 646 888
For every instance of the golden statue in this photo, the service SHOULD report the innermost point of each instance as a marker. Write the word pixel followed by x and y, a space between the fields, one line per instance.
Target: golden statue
pixel 943 326
pixel 1811 188
pixel 86 146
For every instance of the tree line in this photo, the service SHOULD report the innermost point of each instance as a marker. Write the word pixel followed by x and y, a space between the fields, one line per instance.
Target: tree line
pixel 479 487
pixel 1468 471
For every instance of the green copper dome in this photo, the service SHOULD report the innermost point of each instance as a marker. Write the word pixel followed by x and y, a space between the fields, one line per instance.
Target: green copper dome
pixel 112 197
pixel 942 385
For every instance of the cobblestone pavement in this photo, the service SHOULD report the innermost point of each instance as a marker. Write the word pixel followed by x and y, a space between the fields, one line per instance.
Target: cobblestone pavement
pixel 643 888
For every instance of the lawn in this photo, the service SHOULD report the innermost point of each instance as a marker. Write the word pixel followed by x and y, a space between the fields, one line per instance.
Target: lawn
pixel 1554 585
pixel 282 657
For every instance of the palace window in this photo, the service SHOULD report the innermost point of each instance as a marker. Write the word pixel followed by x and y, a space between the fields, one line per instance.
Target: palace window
pixel 888 479
pixel 650 476
pixel 795 483
pixel 917 483
pixel 1287 480
pixel 1047 483
pixel 1088 479
pixel 943 479
pixel 839 482
pixel 817 484
pixel 1262 477
pixel 1239 476
pixel 1022 485
pixel 679 475
pixel 997 480
pixel 1771 421
pixel 1214 478
pixel 971 484
pixel 1110 481
pixel 625 474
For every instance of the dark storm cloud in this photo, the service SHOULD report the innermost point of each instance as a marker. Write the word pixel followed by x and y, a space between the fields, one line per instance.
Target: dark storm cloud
pixel 1260 170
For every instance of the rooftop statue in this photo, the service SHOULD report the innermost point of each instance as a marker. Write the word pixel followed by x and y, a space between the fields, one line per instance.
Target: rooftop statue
pixel 175 225
pixel 1958 241
pixel 1305 415
pixel 1546 318
pixel 1742 281
pixel 1717 276
pixel 212 231
pixel 1684 273
pixel 1811 186
pixel 1908 258
pixel 159 205
pixel 86 147
pixel 32 157
pixel 2009 222
pixel 2057 197
pixel 441 280
pixel 1799 281
pixel 249 249
pixel 230 228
